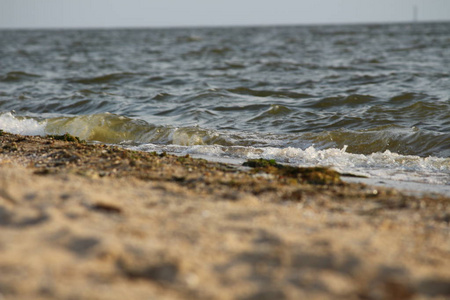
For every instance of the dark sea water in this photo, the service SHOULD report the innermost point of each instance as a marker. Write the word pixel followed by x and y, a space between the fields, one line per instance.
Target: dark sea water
pixel 367 99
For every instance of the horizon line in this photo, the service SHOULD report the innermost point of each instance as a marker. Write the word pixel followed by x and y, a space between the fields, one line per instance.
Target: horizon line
pixel 223 26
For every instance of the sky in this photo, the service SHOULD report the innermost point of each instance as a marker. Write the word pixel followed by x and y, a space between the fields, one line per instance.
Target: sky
pixel 180 13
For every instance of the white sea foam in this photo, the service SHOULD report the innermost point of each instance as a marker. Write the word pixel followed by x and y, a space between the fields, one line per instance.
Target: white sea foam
pixel 21 125
pixel 382 166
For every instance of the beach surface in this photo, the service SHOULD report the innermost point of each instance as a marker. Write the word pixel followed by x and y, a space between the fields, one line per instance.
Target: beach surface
pixel 91 221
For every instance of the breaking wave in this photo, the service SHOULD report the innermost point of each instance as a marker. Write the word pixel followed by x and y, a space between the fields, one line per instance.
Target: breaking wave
pixel 140 135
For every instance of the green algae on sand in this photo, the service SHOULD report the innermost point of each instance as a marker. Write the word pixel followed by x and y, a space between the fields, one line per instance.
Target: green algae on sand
pixel 311 175
pixel 67 137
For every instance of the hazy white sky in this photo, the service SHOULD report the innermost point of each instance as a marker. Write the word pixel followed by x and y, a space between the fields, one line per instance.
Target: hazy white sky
pixel 157 13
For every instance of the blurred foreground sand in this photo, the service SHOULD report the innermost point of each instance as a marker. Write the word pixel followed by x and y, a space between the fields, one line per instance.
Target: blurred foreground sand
pixel 68 233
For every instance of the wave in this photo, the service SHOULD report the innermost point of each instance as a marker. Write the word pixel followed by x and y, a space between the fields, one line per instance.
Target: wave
pixel 408 141
pixel 112 78
pixel 268 93
pixel 18 76
pixel 376 158
pixel 21 125
pixel 112 129
pixel 208 52
pixel 273 111
pixel 117 129
pixel 340 101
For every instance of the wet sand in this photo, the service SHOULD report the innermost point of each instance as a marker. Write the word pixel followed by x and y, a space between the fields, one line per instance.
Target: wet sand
pixel 81 221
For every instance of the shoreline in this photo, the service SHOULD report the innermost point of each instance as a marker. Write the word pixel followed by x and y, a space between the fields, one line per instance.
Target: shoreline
pixel 101 222
pixel 406 187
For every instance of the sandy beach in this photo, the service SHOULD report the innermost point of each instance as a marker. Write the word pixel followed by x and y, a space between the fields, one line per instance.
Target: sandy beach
pixel 83 221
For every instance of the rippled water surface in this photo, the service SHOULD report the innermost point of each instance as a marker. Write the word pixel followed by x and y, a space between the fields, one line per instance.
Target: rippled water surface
pixel 359 97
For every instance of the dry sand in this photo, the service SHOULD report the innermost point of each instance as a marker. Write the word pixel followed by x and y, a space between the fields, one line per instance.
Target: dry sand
pixel 84 221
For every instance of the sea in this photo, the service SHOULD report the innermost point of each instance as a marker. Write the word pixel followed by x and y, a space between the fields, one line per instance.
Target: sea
pixel 368 99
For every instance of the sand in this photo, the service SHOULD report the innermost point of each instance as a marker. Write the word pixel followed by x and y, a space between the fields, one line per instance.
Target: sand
pixel 80 221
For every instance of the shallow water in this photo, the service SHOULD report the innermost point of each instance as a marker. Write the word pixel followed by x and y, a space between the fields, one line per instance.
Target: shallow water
pixel 368 99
